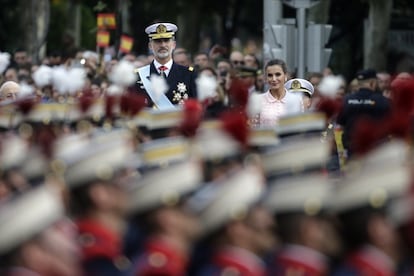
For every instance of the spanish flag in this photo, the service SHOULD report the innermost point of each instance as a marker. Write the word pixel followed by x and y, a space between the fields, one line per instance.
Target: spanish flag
pixel 102 39
pixel 126 44
pixel 106 21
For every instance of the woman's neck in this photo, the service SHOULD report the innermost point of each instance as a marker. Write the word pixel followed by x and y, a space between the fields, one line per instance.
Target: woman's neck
pixel 278 94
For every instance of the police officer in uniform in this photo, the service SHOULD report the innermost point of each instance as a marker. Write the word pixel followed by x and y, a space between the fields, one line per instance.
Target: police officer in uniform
pixel 363 103
pixel 180 79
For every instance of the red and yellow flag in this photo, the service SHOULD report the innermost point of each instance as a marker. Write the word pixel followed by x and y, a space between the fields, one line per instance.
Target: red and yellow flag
pixel 106 21
pixel 102 39
pixel 126 44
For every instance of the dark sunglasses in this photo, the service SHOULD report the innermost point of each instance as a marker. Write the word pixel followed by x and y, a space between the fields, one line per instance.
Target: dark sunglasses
pixel 238 62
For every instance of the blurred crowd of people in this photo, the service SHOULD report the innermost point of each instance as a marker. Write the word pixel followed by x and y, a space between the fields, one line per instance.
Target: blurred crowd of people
pixel 258 173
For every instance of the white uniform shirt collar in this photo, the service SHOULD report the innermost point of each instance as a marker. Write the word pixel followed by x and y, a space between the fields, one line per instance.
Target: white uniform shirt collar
pixel 168 65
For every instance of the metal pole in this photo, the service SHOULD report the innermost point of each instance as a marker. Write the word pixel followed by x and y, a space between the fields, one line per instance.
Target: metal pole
pixel 272 10
pixel 272 14
pixel 301 19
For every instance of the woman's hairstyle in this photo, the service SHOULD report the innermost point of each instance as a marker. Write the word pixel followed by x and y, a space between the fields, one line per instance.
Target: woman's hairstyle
pixel 279 62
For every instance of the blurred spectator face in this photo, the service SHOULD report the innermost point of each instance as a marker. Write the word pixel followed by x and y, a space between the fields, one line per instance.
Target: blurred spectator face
pixel 20 57
pixel 353 86
pixel 251 46
pixel 201 60
pixel 223 69
pixel 342 90
pixel 182 59
pixel 23 75
pixel 384 81
pixel 11 75
pixel 180 56
pixel 9 90
pixel 404 75
pixel 110 65
pixel 55 60
pixel 143 59
pixel 129 57
pixel 236 59
pixel 315 80
pixel 250 61
pixel 260 83
pixel 327 71
pixel 207 72
pixel 96 90
pixel 307 101
pixel 223 66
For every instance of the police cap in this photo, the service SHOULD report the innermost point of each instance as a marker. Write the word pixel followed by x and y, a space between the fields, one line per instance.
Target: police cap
pixel 366 74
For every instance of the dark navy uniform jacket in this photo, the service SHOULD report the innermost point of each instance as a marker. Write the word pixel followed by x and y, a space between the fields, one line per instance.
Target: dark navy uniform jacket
pixel 363 103
pixel 180 80
pixel 233 261
pixel 366 261
pixel 101 250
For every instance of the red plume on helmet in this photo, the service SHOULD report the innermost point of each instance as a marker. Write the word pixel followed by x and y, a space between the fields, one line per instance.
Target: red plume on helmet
pixel 331 107
pixel 403 94
pixel 85 101
pixel 235 123
pixel 110 102
pixel 26 104
pixel 132 103
pixel 192 116
pixel 366 135
pixel 45 138
pixel 238 94
pixel 399 124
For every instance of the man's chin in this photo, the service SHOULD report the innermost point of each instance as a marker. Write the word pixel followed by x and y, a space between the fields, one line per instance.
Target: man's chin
pixel 163 55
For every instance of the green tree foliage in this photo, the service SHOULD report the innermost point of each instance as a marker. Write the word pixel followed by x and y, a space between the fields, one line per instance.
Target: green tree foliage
pixel 9 26
pixel 57 36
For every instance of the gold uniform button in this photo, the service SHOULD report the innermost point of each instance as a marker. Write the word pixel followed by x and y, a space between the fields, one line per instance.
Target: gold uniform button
pixel 157 259
pixel 122 262
pixel 230 271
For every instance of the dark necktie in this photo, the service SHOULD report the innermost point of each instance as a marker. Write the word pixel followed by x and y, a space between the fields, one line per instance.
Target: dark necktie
pixel 162 71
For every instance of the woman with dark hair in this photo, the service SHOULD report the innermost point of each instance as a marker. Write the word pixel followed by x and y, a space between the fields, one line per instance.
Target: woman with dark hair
pixel 276 101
